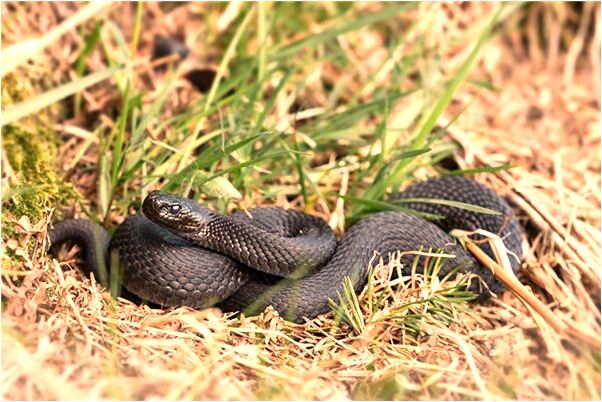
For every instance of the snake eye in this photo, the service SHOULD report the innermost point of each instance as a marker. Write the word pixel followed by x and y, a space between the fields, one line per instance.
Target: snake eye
pixel 175 209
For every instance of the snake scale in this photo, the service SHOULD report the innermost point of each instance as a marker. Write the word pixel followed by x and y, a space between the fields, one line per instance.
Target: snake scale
pixel 178 252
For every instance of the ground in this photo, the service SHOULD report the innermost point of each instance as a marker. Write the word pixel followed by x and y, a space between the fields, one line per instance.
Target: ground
pixel 530 100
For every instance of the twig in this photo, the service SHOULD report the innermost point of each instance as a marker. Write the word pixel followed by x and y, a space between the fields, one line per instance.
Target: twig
pixel 563 240
pixel 527 297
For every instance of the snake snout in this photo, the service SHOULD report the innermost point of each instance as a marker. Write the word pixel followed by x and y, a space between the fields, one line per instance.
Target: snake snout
pixel 170 211
pixel 181 215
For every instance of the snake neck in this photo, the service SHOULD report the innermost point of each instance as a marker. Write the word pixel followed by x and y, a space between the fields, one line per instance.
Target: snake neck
pixel 263 250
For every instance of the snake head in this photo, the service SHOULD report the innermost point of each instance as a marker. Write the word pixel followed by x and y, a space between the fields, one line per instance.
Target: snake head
pixel 181 215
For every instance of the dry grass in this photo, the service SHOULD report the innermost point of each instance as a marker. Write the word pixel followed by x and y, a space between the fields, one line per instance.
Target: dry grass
pixel 63 337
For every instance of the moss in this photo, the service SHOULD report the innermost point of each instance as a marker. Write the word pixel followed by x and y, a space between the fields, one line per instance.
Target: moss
pixel 15 90
pixel 35 186
pixel 30 183
pixel 32 186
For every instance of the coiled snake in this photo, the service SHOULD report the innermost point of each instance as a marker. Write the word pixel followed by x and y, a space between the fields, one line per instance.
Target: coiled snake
pixel 179 252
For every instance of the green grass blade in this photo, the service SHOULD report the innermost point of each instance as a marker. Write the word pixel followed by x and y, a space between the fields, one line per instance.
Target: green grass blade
pixel 269 103
pixel 136 30
pixel 205 160
pixel 350 116
pixel 241 165
pixel 228 56
pixel 449 203
pixel 375 206
pixel 420 139
pixel 296 156
pixel 455 82
pixel 104 186
pixel 221 71
pixel 89 44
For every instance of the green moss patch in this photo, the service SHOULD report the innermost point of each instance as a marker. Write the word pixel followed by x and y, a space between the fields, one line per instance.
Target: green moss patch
pixel 34 185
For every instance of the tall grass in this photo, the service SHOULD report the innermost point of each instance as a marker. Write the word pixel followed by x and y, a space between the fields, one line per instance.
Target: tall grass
pixel 234 136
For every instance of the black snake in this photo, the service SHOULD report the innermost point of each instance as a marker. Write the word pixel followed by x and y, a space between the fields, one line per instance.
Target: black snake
pixel 179 252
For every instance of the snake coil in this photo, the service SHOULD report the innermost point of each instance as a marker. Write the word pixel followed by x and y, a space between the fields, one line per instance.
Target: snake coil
pixel 179 252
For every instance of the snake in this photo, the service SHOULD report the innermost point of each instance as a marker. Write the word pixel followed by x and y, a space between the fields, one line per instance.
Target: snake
pixel 178 252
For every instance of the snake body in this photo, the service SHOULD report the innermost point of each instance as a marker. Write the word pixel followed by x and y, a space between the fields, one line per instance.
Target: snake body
pixel 179 252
